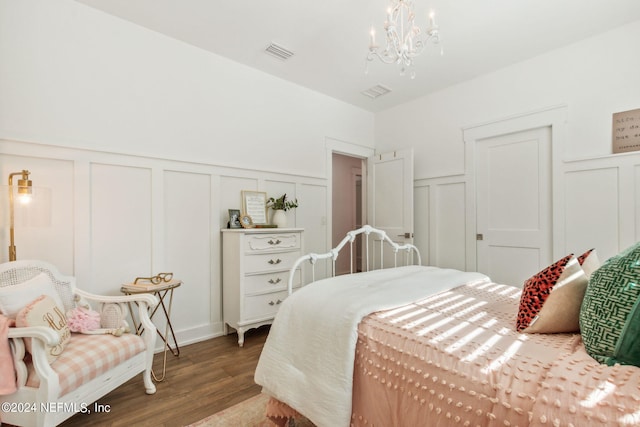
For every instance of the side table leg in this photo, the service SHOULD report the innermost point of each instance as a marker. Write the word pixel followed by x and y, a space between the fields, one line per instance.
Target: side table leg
pixel 168 327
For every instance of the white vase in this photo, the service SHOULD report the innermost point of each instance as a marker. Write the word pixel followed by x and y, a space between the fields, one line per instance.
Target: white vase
pixel 279 218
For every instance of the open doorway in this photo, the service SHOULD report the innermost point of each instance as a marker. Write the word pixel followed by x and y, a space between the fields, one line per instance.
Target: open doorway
pixel 348 202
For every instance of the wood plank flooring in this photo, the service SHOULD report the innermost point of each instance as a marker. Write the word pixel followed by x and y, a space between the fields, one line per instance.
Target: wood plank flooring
pixel 207 377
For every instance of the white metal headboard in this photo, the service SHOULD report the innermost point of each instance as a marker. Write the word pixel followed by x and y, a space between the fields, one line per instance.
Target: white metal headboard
pixel 350 238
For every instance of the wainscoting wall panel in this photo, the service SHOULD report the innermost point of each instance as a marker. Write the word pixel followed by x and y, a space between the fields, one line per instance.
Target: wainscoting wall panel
pixel 231 188
pixel 422 220
pixel 115 217
pixel 603 203
pixel 313 218
pixel 276 189
pixel 597 200
pixel 440 221
pixel 49 173
pixel 188 227
pixel 121 225
pixel 450 211
pixel 592 210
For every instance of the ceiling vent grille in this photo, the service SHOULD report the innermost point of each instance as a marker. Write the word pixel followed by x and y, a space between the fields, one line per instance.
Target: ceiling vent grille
pixel 279 52
pixel 376 91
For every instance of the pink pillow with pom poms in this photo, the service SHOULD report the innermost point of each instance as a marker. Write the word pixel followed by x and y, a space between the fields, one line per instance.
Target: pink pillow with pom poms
pixel 82 319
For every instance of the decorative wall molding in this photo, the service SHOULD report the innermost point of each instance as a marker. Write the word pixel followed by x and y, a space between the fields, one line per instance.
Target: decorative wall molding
pixel 117 216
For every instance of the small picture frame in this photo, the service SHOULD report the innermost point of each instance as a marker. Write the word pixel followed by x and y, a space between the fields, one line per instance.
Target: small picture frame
pixel 234 218
pixel 246 221
pixel 254 204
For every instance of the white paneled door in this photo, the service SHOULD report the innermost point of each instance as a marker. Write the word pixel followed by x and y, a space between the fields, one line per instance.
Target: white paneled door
pixel 390 196
pixel 513 205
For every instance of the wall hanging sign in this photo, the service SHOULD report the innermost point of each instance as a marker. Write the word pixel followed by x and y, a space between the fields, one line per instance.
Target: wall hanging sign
pixel 626 131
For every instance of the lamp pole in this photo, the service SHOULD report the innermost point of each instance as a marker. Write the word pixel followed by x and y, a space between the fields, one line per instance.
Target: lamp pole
pixel 24 188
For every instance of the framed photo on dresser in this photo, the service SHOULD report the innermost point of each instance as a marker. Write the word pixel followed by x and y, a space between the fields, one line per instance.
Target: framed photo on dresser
pixel 234 218
pixel 254 204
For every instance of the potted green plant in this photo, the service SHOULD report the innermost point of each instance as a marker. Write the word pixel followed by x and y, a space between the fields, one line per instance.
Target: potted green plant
pixel 280 206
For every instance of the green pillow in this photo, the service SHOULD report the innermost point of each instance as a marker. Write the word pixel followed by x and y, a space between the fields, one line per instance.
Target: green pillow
pixel 610 311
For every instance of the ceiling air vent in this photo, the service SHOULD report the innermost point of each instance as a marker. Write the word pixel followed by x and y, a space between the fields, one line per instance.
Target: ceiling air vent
pixel 376 91
pixel 279 52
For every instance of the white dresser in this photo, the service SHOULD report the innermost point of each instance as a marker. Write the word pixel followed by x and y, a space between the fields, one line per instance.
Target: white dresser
pixel 255 270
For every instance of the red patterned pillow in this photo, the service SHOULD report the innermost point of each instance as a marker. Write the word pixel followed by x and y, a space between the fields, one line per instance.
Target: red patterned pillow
pixel 550 300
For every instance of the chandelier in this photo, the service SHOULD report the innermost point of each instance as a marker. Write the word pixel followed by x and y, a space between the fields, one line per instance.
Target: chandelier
pixel 404 39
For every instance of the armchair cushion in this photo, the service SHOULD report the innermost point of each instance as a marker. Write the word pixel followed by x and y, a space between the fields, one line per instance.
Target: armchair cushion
pixel 14 298
pixel 87 356
pixel 43 311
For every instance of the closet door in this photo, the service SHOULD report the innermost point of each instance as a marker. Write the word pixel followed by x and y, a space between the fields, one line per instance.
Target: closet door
pixel 513 205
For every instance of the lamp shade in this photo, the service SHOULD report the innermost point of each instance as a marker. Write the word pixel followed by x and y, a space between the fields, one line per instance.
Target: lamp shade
pixel 31 208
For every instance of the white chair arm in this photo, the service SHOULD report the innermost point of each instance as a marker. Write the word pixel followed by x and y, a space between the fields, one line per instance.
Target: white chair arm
pixel 147 298
pixel 41 336
pixel 48 335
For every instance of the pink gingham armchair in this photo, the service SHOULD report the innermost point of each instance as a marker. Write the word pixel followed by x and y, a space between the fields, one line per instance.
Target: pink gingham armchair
pixel 88 367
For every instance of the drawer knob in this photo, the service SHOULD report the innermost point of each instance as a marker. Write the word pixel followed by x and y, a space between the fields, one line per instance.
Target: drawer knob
pixel 273 282
pixel 275 303
pixel 276 242
pixel 277 261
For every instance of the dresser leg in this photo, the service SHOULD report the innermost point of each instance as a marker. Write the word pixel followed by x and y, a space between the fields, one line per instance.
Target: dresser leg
pixel 240 337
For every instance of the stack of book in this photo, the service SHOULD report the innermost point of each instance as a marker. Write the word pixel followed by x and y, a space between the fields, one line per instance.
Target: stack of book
pixel 146 286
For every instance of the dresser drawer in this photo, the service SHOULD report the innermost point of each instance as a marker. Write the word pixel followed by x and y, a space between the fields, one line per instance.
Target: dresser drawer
pixel 265 305
pixel 260 283
pixel 270 262
pixel 272 242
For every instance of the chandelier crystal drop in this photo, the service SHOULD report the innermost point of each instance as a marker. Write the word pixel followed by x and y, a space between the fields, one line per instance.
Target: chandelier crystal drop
pixel 404 40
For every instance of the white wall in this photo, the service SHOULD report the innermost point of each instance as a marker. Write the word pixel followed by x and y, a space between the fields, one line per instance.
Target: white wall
pixel 145 142
pixel 592 79
pixel 77 77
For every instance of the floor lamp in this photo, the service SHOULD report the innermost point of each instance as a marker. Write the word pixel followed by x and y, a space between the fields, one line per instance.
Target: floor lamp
pixel 25 191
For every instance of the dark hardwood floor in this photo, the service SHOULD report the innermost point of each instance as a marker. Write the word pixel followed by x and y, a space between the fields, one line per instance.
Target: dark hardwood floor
pixel 207 377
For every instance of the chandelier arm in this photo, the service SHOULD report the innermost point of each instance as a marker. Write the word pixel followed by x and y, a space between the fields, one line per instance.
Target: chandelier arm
pixel 384 58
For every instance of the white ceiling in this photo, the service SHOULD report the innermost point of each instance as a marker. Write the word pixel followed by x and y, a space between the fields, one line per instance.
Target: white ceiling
pixel 330 38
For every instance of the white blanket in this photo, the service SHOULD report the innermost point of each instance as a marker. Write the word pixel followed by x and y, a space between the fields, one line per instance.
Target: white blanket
pixel 307 360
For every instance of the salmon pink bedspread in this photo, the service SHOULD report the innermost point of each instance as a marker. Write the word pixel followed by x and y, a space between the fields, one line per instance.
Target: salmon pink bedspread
pixel 455 359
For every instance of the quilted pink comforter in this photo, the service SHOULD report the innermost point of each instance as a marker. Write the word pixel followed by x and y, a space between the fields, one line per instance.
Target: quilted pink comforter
pixel 455 358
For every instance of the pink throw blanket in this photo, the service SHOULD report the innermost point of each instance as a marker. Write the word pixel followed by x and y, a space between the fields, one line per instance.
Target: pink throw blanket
pixel 7 372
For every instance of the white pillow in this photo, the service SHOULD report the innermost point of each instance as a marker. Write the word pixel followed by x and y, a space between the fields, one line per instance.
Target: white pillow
pixel 589 262
pixel 15 297
pixel 43 311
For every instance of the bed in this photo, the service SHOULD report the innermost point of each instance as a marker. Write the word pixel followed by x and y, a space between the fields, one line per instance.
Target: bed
pixel 423 346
